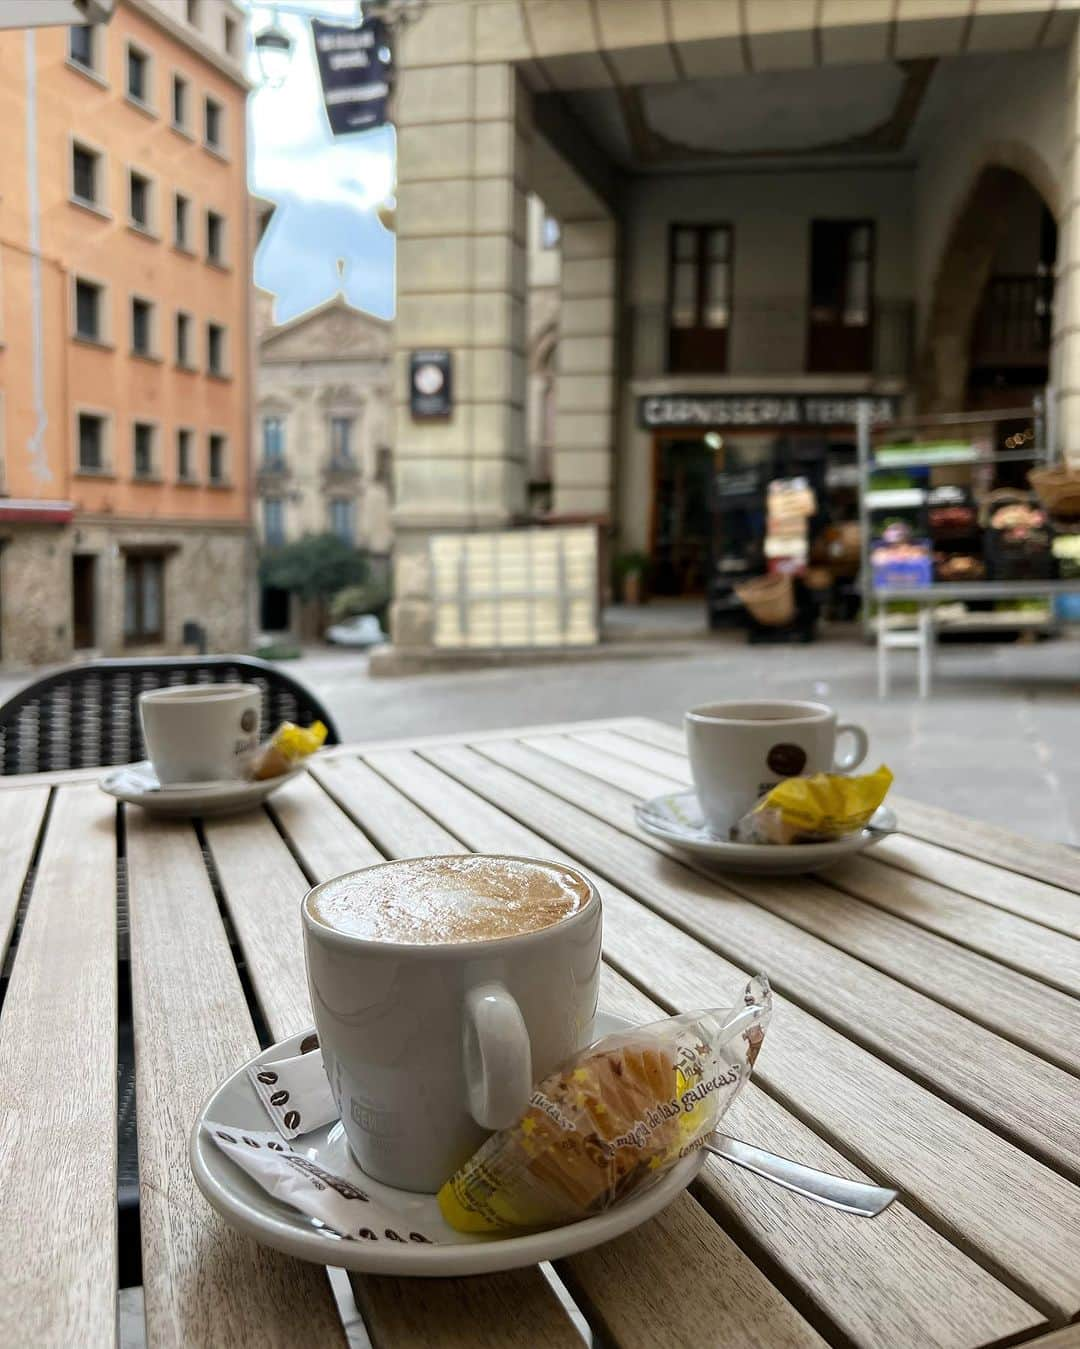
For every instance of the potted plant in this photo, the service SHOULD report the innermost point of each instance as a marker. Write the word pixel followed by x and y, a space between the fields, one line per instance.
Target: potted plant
pixel 631 570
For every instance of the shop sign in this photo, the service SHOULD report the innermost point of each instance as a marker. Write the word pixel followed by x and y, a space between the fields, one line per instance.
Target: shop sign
pixel 430 384
pixel 764 409
pixel 354 67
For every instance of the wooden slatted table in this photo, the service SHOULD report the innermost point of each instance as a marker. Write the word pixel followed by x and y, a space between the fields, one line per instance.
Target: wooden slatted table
pixel 927 1035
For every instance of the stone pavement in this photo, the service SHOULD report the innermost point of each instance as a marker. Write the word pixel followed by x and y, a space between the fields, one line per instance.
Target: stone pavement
pixel 999 739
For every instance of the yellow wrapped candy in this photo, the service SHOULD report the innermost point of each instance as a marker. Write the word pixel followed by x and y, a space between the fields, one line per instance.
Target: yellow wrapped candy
pixel 290 743
pixel 814 809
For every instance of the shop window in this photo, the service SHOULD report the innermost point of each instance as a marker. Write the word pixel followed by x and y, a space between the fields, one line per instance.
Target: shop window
pixel 699 297
pixel 341 435
pixel 273 521
pixel 185 471
pixel 142 450
pixel 86 175
pixel 89 311
pixel 142 327
pixel 140 205
pixel 273 429
pixel 144 597
pixel 341 519
pixel 841 296
pixel 91 433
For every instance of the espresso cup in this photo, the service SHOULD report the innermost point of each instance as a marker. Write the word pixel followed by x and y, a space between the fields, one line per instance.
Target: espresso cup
pixel 201 732
pixel 740 750
pixel 431 1044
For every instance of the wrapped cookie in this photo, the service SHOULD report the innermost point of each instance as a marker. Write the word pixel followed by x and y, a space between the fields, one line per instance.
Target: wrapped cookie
pixel 287 747
pixel 814 809
pixel 611 1121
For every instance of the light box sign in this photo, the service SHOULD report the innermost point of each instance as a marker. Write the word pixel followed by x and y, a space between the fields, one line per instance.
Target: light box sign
pixel 431 385
pixel 355 70
pixel 760 409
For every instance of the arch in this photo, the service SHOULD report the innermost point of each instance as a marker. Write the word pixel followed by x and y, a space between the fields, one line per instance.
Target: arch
pixel 978 229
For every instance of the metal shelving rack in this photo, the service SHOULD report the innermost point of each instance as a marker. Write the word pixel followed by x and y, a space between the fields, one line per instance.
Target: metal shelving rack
pixel 945 591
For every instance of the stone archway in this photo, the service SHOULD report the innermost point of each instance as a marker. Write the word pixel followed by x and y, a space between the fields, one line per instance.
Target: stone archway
pixel 978 231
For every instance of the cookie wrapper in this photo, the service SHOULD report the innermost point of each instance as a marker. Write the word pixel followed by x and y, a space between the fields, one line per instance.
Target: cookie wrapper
pixel 814 809
pixel 611 1121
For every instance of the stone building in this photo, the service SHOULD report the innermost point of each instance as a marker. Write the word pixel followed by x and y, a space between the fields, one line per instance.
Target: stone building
pixel 323 433
pixel 766 210
pixel 124 332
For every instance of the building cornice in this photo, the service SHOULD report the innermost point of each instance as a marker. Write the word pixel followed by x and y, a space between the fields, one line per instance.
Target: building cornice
pixel 187 38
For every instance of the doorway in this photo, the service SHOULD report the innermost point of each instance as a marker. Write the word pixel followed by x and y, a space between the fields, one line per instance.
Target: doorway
pixel 274 610
pixel 83 594
pixel 682 524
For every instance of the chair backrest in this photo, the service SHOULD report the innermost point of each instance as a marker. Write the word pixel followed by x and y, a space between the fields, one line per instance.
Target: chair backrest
pixel 87 716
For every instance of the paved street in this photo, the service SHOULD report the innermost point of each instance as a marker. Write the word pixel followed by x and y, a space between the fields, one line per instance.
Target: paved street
pixel 1000 739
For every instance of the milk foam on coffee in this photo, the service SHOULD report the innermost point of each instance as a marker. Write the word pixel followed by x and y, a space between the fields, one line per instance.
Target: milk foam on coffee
pixel 435 901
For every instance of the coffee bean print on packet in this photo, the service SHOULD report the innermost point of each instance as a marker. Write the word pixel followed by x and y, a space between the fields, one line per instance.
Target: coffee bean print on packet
pixel 367 1234
pixel 279 1098
pixel 291 1119
pixel 419 1237
pixel 391 1235
pixel 267 1077
pixel 227 1138
pixel 308 1043
pixel 251 1142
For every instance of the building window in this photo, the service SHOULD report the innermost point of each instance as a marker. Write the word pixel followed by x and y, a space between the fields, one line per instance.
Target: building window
pixel 341 429
pixel 840 337
pixel 699 297
pixel 182 221
pixel 214 117
pixel 273 429
pixel 230 35
pixel 137 77
pixel 384 466
pixel 215 237
pixel 273 521
pixel 144 597
pixel 142 450
pixel 193 15
pixel 91 443
pixel 140 203
pixel 341 519
pixel 81 45
pixel 183 340
pixel 142 327
pixel 215 348
pixel 216 457
pixel 185 468
pixel 180 103
pixel 89 309
pixel 85 175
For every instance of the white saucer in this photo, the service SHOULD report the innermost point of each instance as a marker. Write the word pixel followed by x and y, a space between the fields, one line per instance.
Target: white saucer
pixel 245 1205
pixel 677 819
pixel 137 784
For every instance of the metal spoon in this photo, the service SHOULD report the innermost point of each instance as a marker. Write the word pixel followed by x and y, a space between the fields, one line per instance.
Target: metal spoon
pixel 853 1196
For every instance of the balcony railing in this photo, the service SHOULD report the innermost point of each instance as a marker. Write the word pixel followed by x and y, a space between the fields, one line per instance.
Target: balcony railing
pixel 1013 324
pixel 272 469
pixel 767 336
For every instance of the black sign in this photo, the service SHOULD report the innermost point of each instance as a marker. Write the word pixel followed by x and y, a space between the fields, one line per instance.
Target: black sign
pixel 431 391
pixel 761 409
pixel 354 66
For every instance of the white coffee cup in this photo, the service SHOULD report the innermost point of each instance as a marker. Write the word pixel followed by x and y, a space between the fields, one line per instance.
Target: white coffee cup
pixel 201 732
pixel 740 750
pixel 430 1047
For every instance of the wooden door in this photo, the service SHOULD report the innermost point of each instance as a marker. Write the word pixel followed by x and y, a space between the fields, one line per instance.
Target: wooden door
pixel 83 577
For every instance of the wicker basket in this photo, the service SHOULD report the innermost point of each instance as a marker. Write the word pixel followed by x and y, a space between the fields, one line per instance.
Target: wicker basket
pixel 770 599
pixel 1058 489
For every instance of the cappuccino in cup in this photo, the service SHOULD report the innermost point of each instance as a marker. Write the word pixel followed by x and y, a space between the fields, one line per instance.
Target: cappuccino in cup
pixel 442 989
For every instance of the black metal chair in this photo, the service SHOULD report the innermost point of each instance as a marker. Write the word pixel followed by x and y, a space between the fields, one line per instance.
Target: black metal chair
pixel 87 716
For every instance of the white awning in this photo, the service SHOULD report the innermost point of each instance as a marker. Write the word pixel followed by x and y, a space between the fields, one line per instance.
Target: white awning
pixel 49 13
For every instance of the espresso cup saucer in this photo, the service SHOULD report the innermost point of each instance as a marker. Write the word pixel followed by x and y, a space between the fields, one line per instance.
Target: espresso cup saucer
pixel 677 819
pixel 245 1205
pixel 137 784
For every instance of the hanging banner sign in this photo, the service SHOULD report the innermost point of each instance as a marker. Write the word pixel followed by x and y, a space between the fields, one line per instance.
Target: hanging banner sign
pixel 761 409
pixel 354 66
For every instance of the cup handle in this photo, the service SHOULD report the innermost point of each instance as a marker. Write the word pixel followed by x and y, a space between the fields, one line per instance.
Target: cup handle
pixel 845 763
pixel 498 1057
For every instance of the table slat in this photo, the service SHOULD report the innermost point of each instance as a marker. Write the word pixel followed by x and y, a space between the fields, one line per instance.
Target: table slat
pixel 203 1283
pixel 58 1111
pixel 317 828
pixel 985 1073
pixel 383 812
pixel 1021 1216
pixel 833 1260
pixel 20 821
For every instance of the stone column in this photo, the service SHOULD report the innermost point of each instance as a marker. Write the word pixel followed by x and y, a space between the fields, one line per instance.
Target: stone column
pixel 463 140
pixel 1065 343
pixel 584 450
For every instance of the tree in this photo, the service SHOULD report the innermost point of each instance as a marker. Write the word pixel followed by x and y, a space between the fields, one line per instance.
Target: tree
pixel 314 568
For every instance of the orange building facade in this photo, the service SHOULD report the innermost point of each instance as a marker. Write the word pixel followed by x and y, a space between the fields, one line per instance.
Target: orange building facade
pixel 125 334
